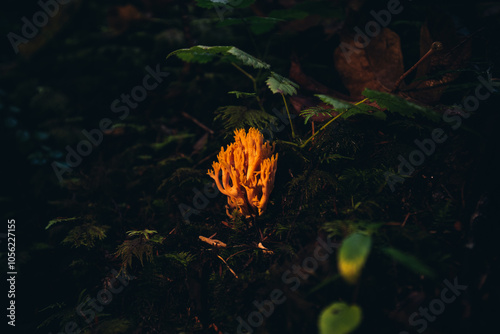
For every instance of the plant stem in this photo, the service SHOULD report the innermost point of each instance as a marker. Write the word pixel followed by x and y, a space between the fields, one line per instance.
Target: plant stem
pixel 288 113
pixel 254 84
pixel 436 46
pixel 321 129
pixel 286 142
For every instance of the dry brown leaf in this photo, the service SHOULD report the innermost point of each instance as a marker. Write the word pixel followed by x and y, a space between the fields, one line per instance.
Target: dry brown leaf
pixel 377 66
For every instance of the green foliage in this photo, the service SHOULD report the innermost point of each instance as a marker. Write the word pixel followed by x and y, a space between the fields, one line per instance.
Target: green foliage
pixel 353 254
pixel 315 111
pixel 61 220
pixel 280 85
pixel 339 318
pixel 398 105
pixel 242 94
pixel 200 53
pixel 181 258
pixel 143 245
pixel 310 184
pixel 350 109
pixel 237 117
pixel 247 59
pixel 409 261
pixel 204 54
pixel 229 3
pixel 85 235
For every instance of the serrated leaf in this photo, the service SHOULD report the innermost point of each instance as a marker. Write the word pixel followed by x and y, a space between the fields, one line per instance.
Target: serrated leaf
pixel 353 254
pixel 396 104
pixel 409 261
pixel 204 54
pixel 248 59
pixel 281 85
pixel 335 103
pixel 200 53
pixel 339 318
pixel 350 108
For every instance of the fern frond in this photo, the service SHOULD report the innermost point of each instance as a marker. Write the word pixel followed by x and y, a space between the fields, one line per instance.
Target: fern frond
pixel 315 111
pixel 236 117
pixel 398 105
pixel 85 235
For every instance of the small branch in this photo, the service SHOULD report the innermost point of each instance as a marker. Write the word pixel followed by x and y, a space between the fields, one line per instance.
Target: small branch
pixel 228 267
pixel 436 46
pixel 197 122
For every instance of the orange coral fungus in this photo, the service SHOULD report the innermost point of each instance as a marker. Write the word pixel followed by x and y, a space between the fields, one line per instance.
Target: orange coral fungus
pixel 248 169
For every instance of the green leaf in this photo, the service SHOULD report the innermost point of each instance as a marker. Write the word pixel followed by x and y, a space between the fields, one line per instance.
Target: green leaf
pixel 339 318
pixel 200 53
pixel 247 59
pixel 339 105
pixel 204 54
pixel 281 85
pixel 353 254
pixel 350 108
pixel 409 261
pixel 396 104
pixel 60 220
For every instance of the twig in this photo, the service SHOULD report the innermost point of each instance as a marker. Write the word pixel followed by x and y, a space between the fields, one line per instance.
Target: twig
pixel 228 267
pixel 197 122
pixel 436 46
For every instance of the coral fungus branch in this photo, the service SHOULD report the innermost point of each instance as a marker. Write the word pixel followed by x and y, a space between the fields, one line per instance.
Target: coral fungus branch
pixel 245 172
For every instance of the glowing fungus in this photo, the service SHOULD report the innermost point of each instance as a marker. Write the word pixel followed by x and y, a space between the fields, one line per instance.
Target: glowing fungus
pixel 245 172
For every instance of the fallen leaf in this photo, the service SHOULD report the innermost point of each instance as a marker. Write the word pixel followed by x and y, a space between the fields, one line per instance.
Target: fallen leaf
pixel 377 66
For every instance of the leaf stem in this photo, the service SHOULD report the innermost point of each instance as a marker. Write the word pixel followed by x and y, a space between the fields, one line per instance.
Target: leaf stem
pixel 254 81
pixel 288 113
pixel 321 129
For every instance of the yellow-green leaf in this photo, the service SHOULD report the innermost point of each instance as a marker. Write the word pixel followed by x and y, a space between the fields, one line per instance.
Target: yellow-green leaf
pixel 339 318
pixel 352 255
